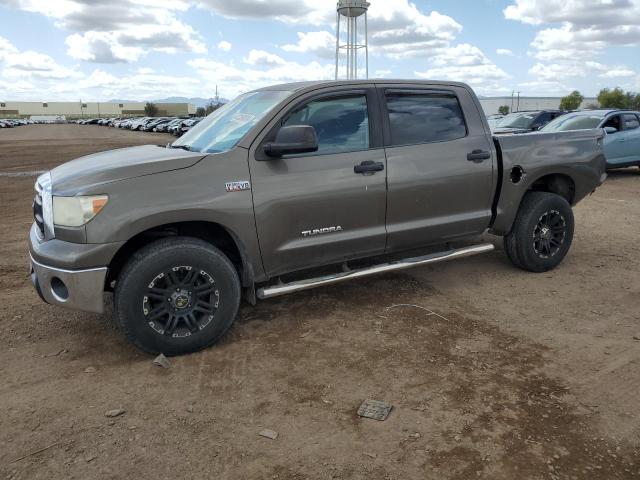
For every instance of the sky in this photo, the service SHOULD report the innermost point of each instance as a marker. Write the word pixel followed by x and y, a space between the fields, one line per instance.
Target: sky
pixel 54 50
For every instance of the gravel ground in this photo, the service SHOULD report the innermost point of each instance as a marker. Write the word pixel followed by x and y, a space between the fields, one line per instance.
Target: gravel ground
pixel 501 374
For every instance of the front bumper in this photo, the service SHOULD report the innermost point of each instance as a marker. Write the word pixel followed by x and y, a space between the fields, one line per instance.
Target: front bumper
pixel 76 289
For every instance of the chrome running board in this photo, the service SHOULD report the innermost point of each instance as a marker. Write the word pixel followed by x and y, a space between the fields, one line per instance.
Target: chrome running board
pixel 284 288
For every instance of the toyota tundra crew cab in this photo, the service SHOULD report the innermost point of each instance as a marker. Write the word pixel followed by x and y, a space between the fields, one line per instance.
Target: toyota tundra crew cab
pixel 351 176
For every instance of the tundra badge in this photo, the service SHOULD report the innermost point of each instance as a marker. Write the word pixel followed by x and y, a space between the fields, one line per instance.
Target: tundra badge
pixel 237 185
pixel 318 231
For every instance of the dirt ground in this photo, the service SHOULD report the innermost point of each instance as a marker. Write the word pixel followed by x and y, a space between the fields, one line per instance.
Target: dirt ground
pixel 501 375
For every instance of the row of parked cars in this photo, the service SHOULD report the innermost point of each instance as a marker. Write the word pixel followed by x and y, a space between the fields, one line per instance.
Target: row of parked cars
pixel 622 128
pixel 174 125
pixel 13 122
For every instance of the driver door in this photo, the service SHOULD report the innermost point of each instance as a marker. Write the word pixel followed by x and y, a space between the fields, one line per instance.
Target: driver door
pixel 315 209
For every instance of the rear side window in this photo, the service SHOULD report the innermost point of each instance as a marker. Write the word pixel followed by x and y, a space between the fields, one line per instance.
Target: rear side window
pixel 424 118
pixel 630 122
pixel 341 124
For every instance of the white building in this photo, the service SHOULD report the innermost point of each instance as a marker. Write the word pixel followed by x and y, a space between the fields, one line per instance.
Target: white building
pixel 491 104
pixel 89 109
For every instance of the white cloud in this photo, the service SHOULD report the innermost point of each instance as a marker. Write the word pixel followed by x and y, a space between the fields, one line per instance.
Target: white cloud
pixel 321 43
pixel 576 36
pixel 109 34
pixel 382 73
pixel 260 57
pixel 505 51
pixel 577 12
pixel 6 48
pixel 233 80
pixel 397 28
pixel 224 46
pixel 466 63
pixel 621 72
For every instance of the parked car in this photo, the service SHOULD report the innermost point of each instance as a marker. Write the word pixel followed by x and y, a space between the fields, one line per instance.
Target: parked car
pixel 164 127
pixel 149 126
pixel 525 122
pixel 622 127
pixel 187 125
pixel 494 119
pixel 299 180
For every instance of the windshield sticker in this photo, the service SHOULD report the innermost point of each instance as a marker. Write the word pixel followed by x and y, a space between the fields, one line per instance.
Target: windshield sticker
pixel 237 185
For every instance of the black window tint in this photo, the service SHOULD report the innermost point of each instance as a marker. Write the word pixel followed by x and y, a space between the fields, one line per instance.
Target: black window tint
pixel 630 122
pixel 423 118
pixel 543 119
pixel 341 124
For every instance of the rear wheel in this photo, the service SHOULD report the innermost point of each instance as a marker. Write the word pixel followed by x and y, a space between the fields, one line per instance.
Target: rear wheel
pixel 542 232
pixel 177 295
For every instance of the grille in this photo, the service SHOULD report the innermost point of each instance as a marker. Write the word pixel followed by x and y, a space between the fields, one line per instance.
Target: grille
pixel 37 210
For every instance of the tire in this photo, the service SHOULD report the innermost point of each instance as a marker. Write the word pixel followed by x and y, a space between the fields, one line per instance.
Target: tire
pixel 176 295
pixel 542 232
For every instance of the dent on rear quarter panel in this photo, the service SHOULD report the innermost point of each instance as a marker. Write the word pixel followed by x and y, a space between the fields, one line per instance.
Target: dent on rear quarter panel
pixel 576 154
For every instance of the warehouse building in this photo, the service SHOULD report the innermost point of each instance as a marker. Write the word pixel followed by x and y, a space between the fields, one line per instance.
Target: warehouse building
pixel 490 105
pixel 72 110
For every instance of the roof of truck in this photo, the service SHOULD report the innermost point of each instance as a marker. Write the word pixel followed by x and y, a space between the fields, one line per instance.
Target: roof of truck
pixel 295 86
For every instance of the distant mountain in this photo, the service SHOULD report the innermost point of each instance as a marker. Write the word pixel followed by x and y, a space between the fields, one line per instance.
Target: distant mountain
pixel 197 101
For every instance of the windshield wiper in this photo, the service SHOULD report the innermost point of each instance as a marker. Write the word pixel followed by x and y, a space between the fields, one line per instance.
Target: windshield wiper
pixel 183 147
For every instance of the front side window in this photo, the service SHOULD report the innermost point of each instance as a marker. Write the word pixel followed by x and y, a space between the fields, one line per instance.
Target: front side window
pixel 424 118
pixel 614 122
pixel 341 124
pixel 630 122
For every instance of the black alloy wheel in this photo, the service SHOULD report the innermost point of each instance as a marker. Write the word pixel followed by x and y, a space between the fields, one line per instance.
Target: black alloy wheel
pixel 181 301
pixel 549 234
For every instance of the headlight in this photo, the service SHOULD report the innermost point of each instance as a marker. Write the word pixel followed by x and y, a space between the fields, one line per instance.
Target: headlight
pixel 76 211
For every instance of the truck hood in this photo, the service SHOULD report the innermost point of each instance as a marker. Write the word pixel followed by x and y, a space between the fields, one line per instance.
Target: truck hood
pixel 82 174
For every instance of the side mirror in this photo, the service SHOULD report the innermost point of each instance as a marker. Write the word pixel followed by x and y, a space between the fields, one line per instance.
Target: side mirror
pixel 610 130
pixel 291 140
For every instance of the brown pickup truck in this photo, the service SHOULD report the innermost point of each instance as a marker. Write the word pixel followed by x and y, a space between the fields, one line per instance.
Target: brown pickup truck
pixel 285 182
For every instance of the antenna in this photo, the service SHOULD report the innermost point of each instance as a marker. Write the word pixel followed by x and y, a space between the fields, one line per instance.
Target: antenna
pixel 351 11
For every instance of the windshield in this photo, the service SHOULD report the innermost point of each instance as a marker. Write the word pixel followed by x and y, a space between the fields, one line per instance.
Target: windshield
pixel 222 130
pixel 517 120
pixel 574 122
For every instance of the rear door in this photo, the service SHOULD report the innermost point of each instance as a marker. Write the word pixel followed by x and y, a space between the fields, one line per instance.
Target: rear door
pixel 315 209
pixel 631 137
pixel 440 163
pixel 615 147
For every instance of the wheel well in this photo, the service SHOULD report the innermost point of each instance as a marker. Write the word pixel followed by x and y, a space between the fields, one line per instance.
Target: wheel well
pixel 557 183
pixel 210 232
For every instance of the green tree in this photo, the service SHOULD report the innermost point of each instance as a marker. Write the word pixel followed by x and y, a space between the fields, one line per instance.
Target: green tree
pixel 615 98
pixel 571 101
pixel 212 107
pixel 503 109
pixel 200 112
pixel 150 109
pixel 633 100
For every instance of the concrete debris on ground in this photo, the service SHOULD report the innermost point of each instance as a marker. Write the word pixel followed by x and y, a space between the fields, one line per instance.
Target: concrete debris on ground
pixel 162 361
pixel 271 434
pixel 376 409
pixel 114 413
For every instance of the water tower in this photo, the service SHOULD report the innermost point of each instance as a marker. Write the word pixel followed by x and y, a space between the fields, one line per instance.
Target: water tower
pixel 349 12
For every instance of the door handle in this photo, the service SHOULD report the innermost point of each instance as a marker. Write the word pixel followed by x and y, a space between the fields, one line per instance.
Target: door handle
pixel 478 156
pixel 368 166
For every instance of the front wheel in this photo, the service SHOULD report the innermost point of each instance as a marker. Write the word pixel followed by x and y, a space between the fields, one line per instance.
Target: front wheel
pixel 176 295
pixel 542 232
